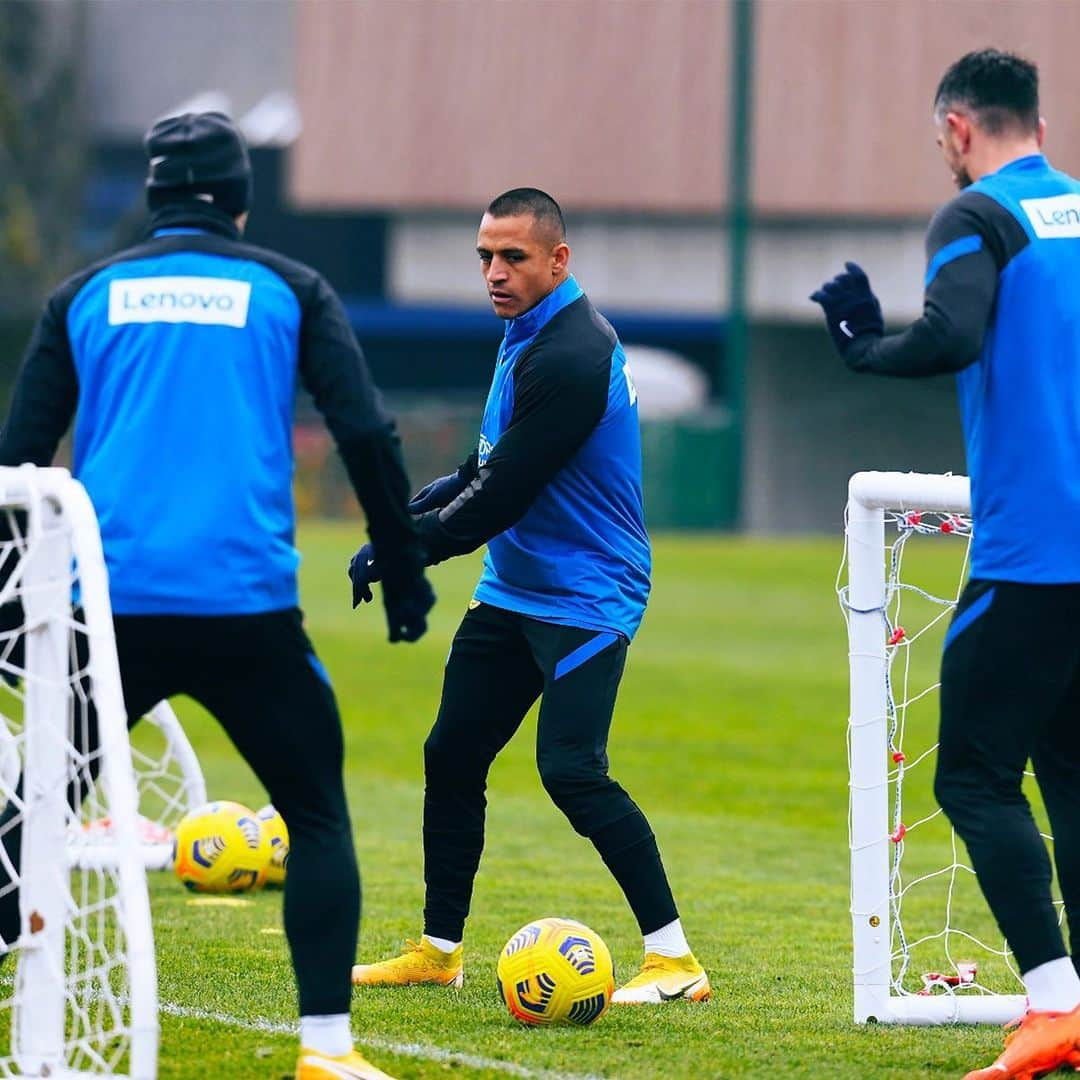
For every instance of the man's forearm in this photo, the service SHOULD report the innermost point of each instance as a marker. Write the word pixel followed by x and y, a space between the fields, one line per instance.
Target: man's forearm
pixel 924 348
pixel 44 401
pixel 378 476
pixel 484 509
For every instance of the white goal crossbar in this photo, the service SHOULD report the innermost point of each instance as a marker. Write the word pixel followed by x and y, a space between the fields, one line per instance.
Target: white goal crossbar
pixel 870 495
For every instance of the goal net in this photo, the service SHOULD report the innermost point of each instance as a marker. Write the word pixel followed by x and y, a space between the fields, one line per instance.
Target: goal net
pixel 169 783
pixel 77 977
pixel 926 948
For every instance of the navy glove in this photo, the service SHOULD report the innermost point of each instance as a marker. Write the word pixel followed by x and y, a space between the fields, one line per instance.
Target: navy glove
pixel 407 601
pixel 407 597
pixel 438 493
pixel 362 573
pixel 851 308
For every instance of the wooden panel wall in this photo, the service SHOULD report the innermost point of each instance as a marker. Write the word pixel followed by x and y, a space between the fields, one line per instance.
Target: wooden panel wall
pixel 614 104
pixel 844 92
pixel 623 104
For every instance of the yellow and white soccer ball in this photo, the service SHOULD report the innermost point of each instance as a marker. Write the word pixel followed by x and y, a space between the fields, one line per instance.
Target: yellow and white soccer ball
pixel 555 971
pixel 221 847
pixel 273 825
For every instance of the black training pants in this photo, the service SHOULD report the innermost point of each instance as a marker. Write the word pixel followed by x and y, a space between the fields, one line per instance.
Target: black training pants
pixel 499 664
pixel 1010 692
pixel 259 676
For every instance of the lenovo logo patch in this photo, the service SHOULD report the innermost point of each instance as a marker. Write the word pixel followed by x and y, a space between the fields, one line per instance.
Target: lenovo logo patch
pixel 207 300
pixel 1054 218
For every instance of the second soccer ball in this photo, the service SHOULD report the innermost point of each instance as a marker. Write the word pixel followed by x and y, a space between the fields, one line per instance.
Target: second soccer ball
pixel 273 825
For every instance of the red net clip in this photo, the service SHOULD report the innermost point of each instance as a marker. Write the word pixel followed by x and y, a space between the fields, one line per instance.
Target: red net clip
pixel 897 635
pixel 898 757
pixel 900 833
pixel 966 973
pixel 914 518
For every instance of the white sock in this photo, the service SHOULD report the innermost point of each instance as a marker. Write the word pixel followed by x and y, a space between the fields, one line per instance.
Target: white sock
pixel 668 940
pixel 1053 986
pixel 327 1034
pixel 442 944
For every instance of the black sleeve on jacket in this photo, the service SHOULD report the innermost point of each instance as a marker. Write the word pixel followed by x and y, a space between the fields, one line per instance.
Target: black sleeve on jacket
pixel 46 393
pixel 959 299
pixel 560 395
pixel 333 369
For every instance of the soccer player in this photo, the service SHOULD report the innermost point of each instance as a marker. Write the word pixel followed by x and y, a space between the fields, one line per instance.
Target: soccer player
pixel 1002 311
pixel 178 361
pixel 554 490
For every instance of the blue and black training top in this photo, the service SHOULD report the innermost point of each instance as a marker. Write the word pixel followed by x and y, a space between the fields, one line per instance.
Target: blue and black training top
pixel 555 484
pixel 1002 310
pixel 178 361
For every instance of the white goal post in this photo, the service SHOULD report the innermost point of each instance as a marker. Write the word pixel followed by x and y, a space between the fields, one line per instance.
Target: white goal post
pixel 878 763
pixel 78 982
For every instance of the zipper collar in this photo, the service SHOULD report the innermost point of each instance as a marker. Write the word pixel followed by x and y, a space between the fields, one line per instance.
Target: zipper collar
pixel 529 323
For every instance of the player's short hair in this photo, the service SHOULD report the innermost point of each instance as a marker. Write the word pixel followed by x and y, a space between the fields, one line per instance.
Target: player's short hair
pixel 999 90
pixel 530 200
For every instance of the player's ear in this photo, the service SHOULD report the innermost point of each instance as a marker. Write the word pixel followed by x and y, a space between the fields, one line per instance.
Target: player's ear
pixel 560 256
pixel 1040 132
pixel 959 127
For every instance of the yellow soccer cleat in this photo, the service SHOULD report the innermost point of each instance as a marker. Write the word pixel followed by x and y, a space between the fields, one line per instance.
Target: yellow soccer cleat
pixel 663 979
pixel 1041 1043
pixel 418 965
pixel 312 1065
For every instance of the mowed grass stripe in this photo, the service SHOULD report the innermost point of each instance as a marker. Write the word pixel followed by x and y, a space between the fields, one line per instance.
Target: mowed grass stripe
pixel 408 1050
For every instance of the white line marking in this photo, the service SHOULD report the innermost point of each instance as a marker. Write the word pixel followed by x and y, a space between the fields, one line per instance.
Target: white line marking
pixel 423 1051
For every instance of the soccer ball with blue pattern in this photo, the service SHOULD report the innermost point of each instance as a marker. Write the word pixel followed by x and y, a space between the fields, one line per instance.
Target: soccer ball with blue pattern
pixel 221 848
pixel 273 825
pixel 555 971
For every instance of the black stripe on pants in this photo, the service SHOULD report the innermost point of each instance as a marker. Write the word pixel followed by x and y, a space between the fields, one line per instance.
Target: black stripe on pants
pixel 499 664
pixel 258 675
pixel 1010 692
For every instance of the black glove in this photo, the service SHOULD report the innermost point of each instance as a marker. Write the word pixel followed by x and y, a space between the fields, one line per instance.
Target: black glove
pixel 362 572
pixel 407 597
pixel 407 601
pixel 851 308
pixel 438 493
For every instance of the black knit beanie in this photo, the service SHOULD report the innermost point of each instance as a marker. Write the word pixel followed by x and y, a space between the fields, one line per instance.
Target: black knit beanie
pixel 198 155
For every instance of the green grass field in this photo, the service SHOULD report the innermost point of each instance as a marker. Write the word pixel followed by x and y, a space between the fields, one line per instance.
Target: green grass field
pixel 730 733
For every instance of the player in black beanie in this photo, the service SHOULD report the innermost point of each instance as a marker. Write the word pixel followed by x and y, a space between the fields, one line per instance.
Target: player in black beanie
pixel 180 357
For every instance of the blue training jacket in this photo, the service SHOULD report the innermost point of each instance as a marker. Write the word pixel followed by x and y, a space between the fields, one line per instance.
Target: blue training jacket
pixel 179 361
pixel 1002 310
pixel 555 484
pixel 1020 401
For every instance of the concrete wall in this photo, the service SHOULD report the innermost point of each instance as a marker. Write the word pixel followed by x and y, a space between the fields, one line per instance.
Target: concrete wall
pixel 671 265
